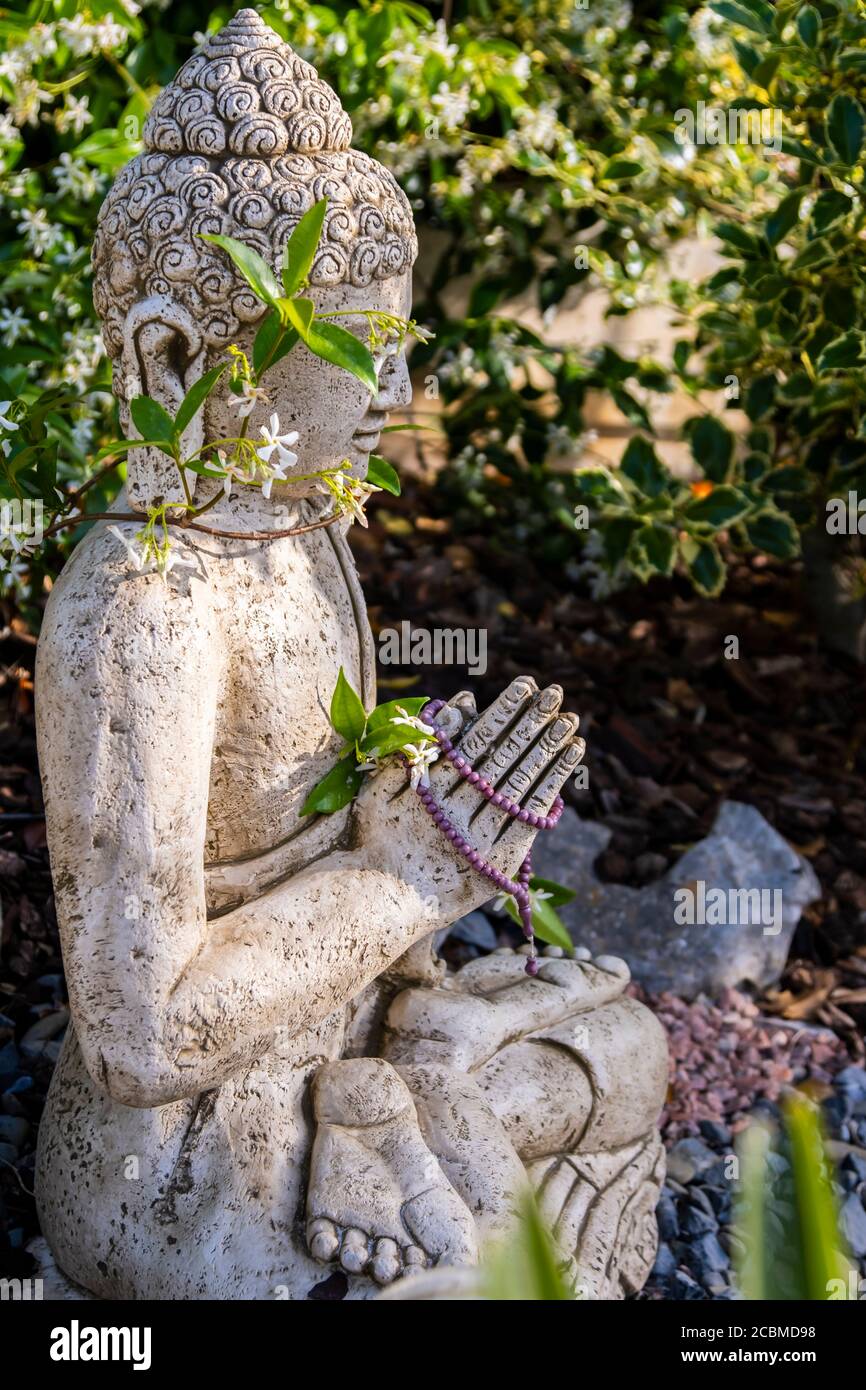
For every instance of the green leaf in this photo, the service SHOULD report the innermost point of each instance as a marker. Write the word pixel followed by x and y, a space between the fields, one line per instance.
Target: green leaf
pixel 336 789
pixel 621 169
pixel 845 126
pixel 760 396
pixel 829 207
pixel 721 509
pixel 196 397
pixel 739 14
pixel 704 565
pixel 735 235
pixel 272 342
pixel 774 533
pixel 712 446
pixel 820 1242
pixel 641 464
pixel 842 353
pixel 336 345
pixel 381 474
pixel 599 484
pixel 255 271
pixel 559 894
pixel 153 422
pixel 390 738
pixel 549 926
pixel 301 247
pixel 809 25
pixel 652 551
pixel 631 408
pixel 348 715
pixel 784 217
pixel 384 713
pixel 546 924
pixel 299 313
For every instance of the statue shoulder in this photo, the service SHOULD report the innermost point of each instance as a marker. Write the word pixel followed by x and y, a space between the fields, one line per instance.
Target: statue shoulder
pixel 103 603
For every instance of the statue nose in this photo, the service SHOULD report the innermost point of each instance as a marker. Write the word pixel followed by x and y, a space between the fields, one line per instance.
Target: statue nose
pixel 395 387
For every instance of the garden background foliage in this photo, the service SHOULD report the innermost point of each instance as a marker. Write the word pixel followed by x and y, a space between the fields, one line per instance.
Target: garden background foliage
pixel 540 142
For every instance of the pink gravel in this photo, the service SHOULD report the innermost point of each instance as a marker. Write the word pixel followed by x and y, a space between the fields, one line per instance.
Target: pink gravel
pixel 726 1055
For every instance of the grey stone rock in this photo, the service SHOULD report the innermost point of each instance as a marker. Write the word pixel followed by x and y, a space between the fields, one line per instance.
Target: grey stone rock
pixel 696 1222
pixel 665 1262
pixel 715 1133
pixel 856 1164
pixel 685 1287
pixel 13 1130
pixel 666 1215
pixel 476 930
pixel 852 1080
pixel 34 1040
pixel 688 1158
pixel 743 852
pixel 708 1257
pixel 852 1220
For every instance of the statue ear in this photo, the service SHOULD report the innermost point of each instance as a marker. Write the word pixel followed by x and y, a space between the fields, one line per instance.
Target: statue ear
pixel 163 356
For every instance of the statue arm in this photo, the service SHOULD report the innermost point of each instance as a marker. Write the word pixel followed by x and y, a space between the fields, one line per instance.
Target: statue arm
pixel 165 1003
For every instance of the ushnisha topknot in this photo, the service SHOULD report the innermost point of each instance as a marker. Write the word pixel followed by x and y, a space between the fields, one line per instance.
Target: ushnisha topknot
pixel 243 142
pixel 247 93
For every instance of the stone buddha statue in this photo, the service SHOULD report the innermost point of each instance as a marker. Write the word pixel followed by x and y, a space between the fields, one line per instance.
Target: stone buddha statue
pixel 268 1075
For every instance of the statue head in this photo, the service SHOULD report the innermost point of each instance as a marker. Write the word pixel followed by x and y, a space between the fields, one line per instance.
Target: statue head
pixel 242 143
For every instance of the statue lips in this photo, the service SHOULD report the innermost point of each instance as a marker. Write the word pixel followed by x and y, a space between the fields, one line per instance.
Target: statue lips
pixel 366 436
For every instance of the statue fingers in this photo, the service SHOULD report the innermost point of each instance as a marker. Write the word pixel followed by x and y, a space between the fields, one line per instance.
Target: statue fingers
pixel 489 727
pixel 501 743
pixel 542 795
pixel 525 774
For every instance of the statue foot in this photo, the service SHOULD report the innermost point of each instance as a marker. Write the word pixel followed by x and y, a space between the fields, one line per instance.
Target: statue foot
pixel 601 1210
pixel 491 1002
pixel 378 1202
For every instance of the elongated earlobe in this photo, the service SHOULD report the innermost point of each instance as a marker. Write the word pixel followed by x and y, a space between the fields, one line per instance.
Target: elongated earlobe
pixel 163 356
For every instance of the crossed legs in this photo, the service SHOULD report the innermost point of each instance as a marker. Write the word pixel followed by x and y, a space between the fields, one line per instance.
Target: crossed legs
pixel 488 1085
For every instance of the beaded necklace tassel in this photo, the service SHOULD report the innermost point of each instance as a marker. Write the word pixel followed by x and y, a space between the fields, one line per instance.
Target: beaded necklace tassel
pixel 517 888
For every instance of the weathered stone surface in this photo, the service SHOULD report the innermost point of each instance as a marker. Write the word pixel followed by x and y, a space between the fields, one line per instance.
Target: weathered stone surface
pixel 266 1071
pixel 743 852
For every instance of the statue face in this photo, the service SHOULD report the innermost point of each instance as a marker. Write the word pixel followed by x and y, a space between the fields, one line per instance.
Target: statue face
pixel 331 410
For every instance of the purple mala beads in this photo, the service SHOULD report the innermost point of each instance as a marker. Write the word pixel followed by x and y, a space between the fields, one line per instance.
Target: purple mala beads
pixel 519 888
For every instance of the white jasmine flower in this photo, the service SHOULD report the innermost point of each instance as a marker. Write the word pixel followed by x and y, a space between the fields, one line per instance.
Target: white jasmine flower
pixel 27 97
pixel 9 131
pixel 14 64
pixel 247 401
pixel 14 570
pixel 134 554
pixel 539 126
pixel 41 235
pixel 354 498
pixel 453 107
pixel 5 422
pixel 403 718
pixel 420 757
pixel 274 440
pixel 74 115
pixel 73 176
pixel 42 42
pixel 438 43
pixel 13 323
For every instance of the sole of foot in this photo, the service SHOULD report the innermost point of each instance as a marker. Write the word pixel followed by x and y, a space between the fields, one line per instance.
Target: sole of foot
pixel 378 1202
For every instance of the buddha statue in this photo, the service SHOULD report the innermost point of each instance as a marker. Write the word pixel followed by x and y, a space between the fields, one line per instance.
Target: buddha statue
pixel 268 1075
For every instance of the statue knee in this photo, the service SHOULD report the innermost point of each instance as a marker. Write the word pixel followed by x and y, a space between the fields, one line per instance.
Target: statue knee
pixel 623 1049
